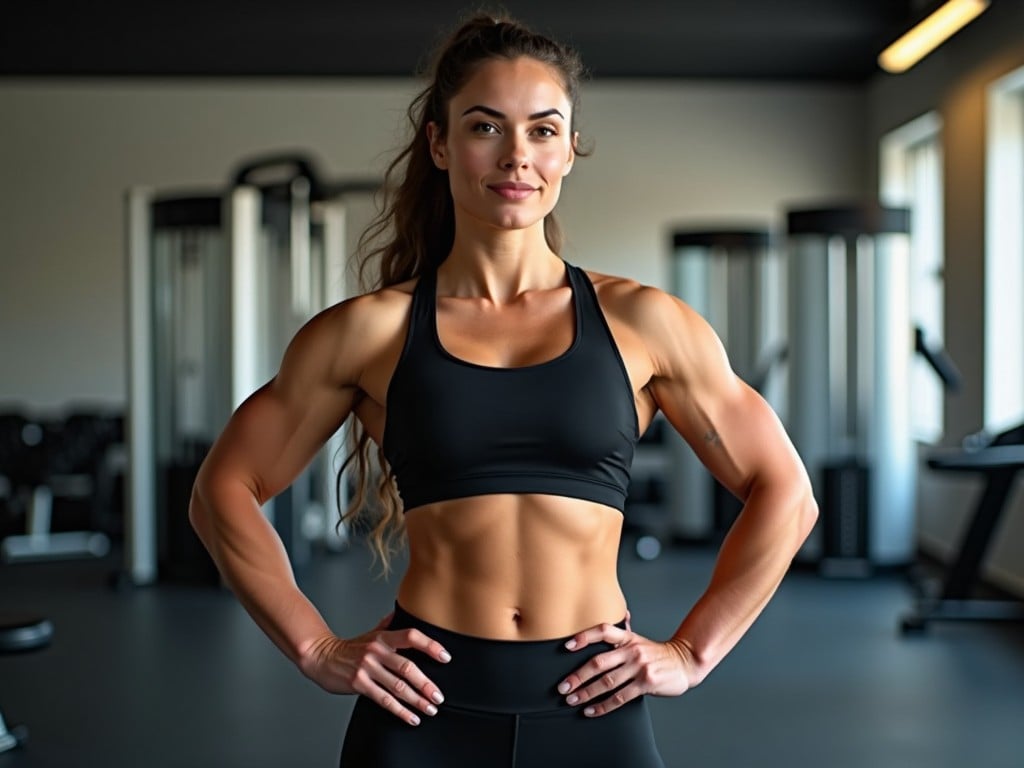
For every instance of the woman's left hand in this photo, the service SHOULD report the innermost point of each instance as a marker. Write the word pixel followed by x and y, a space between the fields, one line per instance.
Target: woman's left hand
pixel 637 666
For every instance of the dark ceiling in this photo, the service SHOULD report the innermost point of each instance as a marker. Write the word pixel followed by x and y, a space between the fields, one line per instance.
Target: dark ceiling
pixel 760 39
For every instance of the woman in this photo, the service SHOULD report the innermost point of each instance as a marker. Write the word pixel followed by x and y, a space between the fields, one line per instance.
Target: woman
pixel 507 390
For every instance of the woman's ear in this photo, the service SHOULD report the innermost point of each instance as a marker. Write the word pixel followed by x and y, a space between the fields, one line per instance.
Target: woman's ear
pixel 437 148
pixel 572 153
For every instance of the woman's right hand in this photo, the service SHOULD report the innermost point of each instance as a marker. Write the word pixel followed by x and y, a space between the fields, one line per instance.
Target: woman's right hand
pixel 371 665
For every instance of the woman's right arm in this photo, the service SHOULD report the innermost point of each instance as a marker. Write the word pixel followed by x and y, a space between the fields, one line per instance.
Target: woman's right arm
pixel 267 442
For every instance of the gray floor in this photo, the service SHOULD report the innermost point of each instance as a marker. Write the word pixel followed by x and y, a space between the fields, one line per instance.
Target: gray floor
pixel 179 676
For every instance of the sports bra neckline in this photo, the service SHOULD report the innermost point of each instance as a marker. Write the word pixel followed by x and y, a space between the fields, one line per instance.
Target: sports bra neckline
pixel 430 288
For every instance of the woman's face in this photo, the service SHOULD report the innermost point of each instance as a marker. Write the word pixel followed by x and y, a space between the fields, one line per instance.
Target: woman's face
pixel 508 144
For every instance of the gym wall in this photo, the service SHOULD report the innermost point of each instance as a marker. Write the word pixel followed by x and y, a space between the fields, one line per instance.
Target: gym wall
pixel 665 153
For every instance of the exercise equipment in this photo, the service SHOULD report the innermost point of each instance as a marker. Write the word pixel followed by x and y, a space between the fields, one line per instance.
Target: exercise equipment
pixel 71 457
pixel 218 283
pixel 999 458
pixel 850 344
pixel 733 277
pixel 20 634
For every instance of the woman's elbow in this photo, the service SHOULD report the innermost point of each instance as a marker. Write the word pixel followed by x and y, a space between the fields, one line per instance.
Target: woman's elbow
pixel 807 514
pixel 199 508
pixel 197 513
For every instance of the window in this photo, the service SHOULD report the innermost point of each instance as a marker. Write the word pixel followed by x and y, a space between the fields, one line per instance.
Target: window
pixel 911 177
pixel 1004 254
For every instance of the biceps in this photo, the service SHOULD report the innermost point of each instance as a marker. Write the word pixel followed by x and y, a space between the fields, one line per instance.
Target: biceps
pixel 273 436
pixel 733 431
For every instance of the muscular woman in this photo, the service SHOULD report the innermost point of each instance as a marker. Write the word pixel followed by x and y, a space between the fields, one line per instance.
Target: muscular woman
pixel 506 389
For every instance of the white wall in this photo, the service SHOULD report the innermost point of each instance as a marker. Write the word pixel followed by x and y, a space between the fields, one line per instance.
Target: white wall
pixel 953 81
pixel 69 151
pixel 665 152
pixel 696 154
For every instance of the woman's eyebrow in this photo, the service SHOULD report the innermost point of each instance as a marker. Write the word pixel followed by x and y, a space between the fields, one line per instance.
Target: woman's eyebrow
pixel 501 115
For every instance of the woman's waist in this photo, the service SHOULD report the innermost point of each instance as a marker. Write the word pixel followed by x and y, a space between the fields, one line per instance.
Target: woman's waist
pixel 497 675
pixel 510 606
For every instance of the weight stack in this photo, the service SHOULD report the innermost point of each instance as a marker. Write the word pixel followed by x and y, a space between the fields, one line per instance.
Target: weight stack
pixel 845 520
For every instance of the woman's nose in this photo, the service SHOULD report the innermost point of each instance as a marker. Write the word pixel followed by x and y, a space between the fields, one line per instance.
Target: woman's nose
pixel 514 156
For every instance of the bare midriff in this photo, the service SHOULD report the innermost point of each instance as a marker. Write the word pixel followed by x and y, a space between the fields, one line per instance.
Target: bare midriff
pixel 513 566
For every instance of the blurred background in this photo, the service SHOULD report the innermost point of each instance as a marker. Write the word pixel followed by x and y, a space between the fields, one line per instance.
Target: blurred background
pixel 183 185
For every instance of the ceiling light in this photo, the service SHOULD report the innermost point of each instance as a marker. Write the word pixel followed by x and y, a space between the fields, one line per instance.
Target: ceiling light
pixel 929 34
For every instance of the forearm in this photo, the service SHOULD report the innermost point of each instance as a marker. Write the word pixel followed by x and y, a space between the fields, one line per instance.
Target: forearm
pixel 254 564
pixel 751 564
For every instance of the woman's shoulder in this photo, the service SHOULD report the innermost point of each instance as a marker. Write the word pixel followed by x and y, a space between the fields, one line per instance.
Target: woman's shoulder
pixel 362 324
pixel 382 305
pixel 632 300
pixel 664 322
pixel 614 285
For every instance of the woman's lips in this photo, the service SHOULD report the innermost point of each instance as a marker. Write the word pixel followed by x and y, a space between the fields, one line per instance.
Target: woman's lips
pixel 513 190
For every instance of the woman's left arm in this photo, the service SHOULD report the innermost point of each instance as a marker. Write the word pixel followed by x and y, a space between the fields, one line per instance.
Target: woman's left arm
pixel 741 441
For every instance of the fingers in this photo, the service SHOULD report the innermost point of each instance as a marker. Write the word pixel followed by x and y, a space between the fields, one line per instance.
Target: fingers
pixel 613 675
pixel 611 679
pixel 606 633
pixel 424 689
pixel 602 633
pixel 414 638
pixel 393 681
pixel 603 673
pixel 613 702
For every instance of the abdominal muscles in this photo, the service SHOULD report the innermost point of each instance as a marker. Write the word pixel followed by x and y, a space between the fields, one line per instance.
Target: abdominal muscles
pixel 513 567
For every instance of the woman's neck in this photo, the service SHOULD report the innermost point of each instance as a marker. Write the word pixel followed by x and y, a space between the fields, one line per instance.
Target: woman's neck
pixel 499 265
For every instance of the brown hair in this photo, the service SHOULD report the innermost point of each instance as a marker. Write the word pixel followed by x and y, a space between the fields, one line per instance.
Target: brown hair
pixel 415 228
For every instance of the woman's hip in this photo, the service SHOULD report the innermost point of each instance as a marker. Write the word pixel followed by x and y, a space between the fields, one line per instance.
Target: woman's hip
pixel 498 676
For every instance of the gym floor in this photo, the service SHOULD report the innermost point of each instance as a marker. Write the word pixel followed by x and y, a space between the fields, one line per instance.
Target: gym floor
pixel 177 675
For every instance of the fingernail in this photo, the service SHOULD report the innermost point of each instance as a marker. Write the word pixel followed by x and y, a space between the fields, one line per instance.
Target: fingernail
pixel 573 699
pixel 414 720
pixel 436 696
pixel 589 711
pixel 445 656
pixel 431 710
pixel 570 644
pixel 564 687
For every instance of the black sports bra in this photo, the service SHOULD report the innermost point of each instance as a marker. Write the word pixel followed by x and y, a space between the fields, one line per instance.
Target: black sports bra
pixel 566 427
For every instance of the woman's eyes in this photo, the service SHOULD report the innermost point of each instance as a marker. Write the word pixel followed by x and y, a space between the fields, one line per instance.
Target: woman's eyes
pixel 544 131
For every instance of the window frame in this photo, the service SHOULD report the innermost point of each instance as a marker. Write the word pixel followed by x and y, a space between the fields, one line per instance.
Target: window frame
pixel 1004 253
pixel 896 150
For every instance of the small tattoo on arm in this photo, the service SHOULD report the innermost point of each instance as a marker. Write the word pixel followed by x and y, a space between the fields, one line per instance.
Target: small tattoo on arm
pixel 711 438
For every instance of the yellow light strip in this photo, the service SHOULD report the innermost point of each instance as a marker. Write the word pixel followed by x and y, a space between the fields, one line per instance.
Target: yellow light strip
pixel 929 34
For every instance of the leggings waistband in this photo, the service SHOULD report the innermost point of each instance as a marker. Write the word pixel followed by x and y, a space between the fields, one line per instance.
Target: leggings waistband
pixel 498 676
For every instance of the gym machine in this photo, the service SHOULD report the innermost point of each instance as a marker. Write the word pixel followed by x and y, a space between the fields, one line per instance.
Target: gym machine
pixel 218 283
pixel 73 457
pixel 850 345
pixel 1000 459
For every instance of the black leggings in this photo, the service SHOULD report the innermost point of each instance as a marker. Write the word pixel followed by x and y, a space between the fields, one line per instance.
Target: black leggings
pixel 501 710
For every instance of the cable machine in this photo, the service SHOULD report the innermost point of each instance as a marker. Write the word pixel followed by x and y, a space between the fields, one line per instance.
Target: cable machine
pixel 851 343
pixel 218 283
